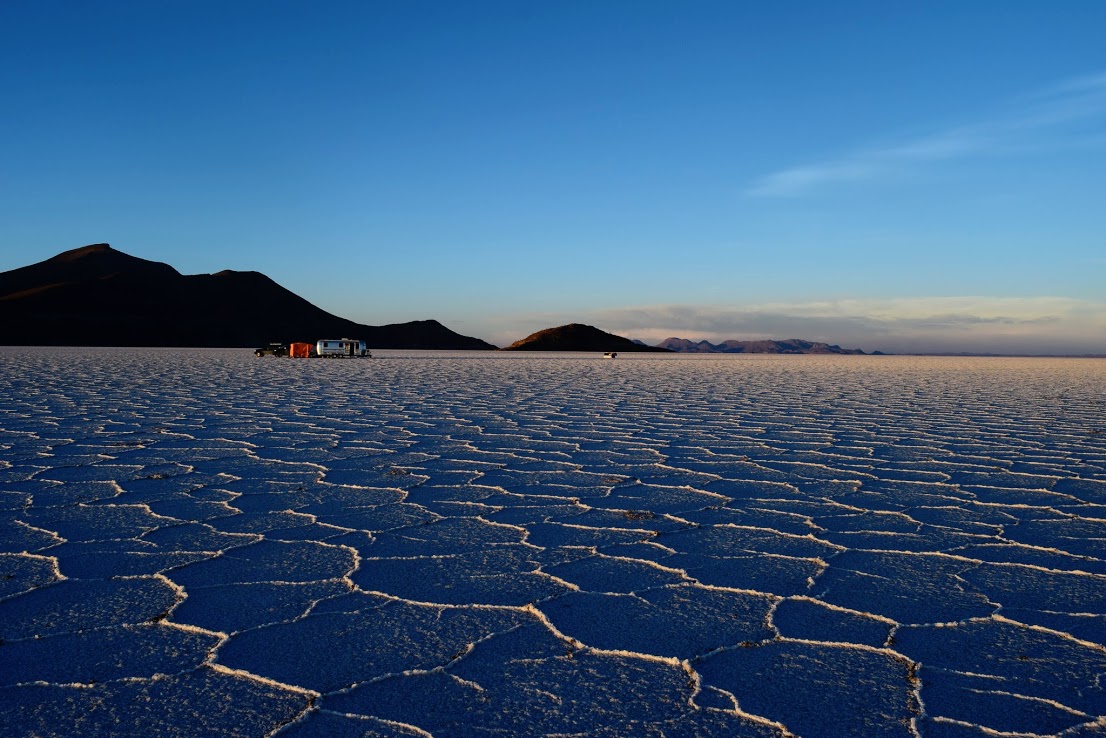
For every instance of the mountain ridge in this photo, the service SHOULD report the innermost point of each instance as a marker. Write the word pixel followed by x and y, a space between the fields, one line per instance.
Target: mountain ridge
pixel 579 337
pixel 733 346
pixel 98 296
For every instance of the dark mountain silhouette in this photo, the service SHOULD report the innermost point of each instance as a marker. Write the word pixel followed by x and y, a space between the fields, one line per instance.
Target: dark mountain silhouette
pixel 98 296
pixel 578 337
pixel 790 346
pixel 685 346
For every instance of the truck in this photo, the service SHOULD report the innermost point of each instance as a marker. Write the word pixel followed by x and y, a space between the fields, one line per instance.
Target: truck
pixel 272 349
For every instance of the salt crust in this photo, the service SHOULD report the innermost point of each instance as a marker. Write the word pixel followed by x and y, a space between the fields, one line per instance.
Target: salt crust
pixel 470 544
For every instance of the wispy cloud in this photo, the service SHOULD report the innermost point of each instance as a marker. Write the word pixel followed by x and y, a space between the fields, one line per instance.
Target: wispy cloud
pixel 945 324
pixel 1041 120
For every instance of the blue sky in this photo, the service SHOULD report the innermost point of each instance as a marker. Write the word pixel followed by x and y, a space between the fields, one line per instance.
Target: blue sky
pixel 896 176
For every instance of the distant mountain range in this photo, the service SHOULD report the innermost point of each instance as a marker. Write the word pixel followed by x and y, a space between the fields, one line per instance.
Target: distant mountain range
pixel 98 296
pixel 790 346
pixel 579 337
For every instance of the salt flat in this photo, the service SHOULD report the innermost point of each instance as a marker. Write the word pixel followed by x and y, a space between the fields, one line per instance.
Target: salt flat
pixel 203 543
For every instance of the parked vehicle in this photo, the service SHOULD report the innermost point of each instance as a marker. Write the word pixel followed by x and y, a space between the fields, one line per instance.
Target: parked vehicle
pixel 273 349
pixel 334 348
pixel 610 355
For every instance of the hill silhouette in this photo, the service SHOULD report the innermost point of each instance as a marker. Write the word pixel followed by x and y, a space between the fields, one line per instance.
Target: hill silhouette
pixel 790 346
pixel 99 296
pixel 579 337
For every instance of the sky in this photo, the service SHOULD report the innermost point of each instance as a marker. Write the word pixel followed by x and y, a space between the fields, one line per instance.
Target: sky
pixel 904 177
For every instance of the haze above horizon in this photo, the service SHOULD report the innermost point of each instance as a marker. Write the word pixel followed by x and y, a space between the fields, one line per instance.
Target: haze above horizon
pixel 905 178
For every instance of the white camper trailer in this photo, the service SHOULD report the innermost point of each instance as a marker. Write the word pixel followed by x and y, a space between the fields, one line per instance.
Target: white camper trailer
pixel 336 348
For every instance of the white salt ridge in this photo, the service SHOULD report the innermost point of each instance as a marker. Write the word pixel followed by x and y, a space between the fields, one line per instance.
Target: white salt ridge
pixel 477 544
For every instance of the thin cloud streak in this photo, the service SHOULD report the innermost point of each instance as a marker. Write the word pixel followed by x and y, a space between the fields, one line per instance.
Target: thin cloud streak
pixel 1035 126
pixel 1045 325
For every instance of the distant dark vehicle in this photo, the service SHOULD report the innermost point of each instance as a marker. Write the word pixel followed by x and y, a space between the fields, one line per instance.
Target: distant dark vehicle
pixel 273 349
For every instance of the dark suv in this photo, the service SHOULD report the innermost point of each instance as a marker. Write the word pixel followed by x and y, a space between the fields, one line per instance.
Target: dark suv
pixel 273 349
